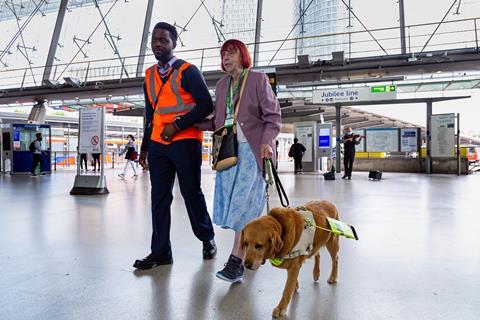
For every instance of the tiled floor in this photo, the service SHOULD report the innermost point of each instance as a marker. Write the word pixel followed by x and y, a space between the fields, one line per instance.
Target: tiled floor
pixel 66 257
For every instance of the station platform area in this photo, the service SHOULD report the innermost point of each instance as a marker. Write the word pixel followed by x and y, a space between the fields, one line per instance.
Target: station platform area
pixel 70 257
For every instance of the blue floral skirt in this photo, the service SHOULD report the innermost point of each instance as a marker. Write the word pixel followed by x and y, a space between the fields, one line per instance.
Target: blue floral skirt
pixel 239 192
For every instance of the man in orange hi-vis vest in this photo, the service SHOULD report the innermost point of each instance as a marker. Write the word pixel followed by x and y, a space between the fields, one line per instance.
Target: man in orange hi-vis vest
pixel 176 99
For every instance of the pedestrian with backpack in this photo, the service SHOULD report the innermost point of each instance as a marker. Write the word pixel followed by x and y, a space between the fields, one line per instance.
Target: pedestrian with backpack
pixel 297 151
pixel 36 149
pixel 131 156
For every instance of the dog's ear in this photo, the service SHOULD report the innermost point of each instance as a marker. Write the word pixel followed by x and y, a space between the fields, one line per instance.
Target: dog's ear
pixel 241 240
pixel 276 244
pixel 290 235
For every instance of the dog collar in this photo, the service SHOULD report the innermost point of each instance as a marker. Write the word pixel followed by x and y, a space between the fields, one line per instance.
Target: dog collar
pixel 276 262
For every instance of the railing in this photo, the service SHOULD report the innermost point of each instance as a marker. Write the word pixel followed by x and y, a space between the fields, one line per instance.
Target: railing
pixel 456 34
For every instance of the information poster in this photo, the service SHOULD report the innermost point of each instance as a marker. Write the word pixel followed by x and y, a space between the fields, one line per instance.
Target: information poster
pixel 443 135
pixel 305 136
pixel 324 139
pixel 382 140
pixel 91 130
pixel 409 140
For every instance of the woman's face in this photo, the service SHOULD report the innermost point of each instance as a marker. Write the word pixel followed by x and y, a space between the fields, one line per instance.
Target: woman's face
pixel 232 60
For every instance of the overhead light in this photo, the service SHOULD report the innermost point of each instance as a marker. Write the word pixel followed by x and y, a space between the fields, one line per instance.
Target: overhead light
pixel 54 84
pixel 303 60
pixel 74 82
pixel 338 58
pixel 99 85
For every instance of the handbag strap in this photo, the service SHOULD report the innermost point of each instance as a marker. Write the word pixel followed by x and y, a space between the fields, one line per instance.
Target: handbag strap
pixel 240 95
pixel 270 169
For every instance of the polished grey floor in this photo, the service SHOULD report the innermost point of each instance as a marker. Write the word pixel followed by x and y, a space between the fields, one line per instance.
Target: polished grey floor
pixel 65 257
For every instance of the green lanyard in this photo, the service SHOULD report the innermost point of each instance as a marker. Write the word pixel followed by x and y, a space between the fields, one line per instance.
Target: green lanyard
pixel 230 95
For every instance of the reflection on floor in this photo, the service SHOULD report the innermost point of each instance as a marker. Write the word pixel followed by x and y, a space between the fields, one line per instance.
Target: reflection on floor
pixel 65 257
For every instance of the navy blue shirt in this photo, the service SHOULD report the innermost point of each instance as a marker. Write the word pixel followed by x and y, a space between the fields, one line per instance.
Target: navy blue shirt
pixel 193 83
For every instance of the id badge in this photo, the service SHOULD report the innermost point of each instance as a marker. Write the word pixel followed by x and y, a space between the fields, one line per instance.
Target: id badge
pixel 229 122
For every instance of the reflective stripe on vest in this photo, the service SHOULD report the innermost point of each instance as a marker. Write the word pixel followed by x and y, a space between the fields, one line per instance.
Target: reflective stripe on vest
pixel 179 107
pixel 169 101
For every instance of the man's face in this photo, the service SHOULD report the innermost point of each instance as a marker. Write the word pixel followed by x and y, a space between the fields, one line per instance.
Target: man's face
pixel 40 138
pixel 162 44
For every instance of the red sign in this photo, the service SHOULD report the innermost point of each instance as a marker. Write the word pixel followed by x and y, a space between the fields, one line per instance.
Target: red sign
pixel 95 140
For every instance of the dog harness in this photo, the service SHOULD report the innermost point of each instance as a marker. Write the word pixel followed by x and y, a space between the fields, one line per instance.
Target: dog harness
pixel 304 245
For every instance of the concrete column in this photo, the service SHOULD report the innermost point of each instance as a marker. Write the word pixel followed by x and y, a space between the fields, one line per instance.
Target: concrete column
pixel 143 44
pixel 258 29
pixel 338 135
pixel 403 40
pixel 53 44
pixel 428 157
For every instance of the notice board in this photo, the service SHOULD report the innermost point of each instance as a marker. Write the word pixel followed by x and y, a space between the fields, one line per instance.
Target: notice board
pixel 382 140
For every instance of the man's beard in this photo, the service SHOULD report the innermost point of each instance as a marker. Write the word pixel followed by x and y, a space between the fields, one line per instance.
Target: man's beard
pixel 163 57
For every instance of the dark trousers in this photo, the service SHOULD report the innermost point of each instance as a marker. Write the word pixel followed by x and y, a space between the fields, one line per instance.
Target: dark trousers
pixel 96 160
pixel 37 158
pixel 348 159
pixel 183 157
pixel 83 159
pixel 297 160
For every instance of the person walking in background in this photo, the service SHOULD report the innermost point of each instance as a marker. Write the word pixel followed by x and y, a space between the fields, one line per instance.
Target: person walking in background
pixel 349 141
pixel 83 160
pixel 36 150
pixel 297 150
pixel 96 160
pixel 131 155
pixel 176 100
pixel 240 190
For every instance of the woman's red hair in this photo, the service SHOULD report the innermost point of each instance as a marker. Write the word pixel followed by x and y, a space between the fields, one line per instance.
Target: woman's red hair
pixel 234 45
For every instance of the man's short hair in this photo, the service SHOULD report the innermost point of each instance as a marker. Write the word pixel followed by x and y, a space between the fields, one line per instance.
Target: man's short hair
pixel 169 28
pixel 38 134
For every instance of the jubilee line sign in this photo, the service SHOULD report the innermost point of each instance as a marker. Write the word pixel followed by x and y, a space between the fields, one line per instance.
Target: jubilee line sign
pixel 355 94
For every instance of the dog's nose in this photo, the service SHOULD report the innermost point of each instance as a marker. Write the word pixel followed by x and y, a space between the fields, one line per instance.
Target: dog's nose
pixel 248 265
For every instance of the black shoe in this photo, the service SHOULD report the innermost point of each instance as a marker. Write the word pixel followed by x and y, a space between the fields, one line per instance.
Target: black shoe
pixel 233 271
pixel 349 178
pixel 209 249
pixel 344 177
pixel 150 262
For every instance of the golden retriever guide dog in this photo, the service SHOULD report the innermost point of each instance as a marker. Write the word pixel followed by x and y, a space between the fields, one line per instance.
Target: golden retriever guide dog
pixel 275 235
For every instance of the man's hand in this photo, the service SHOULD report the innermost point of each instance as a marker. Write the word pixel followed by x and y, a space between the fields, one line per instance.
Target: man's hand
pixel 267 151
pixel 168 132
pixel 143 160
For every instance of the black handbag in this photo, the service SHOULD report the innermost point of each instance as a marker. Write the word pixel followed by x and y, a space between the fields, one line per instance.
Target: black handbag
pixel 225 143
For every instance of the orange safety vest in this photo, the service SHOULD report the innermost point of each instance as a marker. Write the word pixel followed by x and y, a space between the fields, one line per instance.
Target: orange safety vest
pixel 172 102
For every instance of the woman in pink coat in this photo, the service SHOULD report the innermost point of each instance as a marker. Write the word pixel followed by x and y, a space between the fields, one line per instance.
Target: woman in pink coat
pixel 240 190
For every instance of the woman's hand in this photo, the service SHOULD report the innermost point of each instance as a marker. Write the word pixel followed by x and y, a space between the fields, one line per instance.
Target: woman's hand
pixel 267 151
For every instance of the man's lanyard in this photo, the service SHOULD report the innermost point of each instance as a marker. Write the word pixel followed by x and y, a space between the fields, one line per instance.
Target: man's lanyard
pixel 161 87
pixel 229 119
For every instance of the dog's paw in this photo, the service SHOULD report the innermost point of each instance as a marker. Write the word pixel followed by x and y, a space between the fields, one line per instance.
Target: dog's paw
pixel 278 312
pixel 332 280
pixel 316 276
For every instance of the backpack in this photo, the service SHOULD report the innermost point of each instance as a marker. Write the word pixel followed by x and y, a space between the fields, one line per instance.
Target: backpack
pixel 31 147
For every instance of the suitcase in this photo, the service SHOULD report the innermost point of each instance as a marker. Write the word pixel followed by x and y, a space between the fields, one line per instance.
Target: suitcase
pixel 375 175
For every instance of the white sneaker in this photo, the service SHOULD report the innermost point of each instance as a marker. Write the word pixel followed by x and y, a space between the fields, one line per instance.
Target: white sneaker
pixel 122 176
